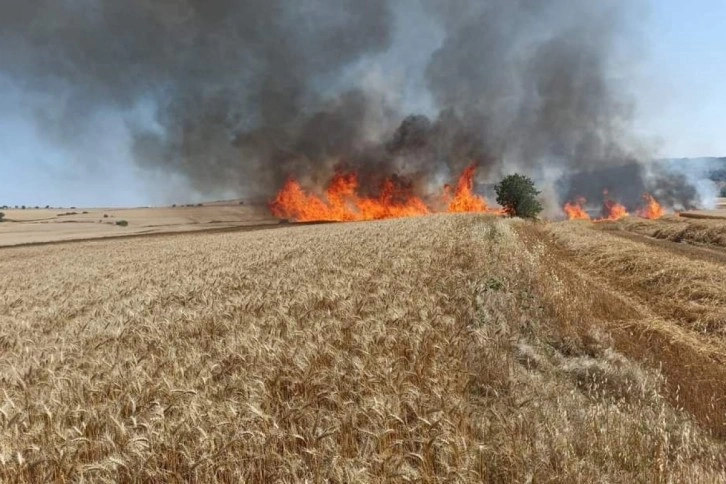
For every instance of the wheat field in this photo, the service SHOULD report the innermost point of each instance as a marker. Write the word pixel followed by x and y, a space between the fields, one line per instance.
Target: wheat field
pixel 42 226
pixel 458 348
pixel 679 229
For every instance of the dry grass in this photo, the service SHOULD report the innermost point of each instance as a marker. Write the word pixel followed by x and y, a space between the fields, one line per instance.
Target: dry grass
pixel 678 286
pixel 679 229
pixel 656 303
pixel 35 226
pixel 423 349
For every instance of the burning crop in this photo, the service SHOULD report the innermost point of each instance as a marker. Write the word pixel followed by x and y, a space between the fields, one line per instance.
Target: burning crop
pixel 575 210
pixel 652 209
pixel 463 199
pixel 613 210
pixel 343 202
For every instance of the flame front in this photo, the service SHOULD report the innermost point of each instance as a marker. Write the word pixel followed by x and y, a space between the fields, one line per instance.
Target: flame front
pixel 652 210
pixel 342 203
pixel 575 209
pixel 464 199
pixel 612 210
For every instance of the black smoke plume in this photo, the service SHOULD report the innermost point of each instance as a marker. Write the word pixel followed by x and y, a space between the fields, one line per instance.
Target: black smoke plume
pixel 246 93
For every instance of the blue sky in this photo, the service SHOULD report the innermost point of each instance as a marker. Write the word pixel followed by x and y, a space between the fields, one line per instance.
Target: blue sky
pixel 680 92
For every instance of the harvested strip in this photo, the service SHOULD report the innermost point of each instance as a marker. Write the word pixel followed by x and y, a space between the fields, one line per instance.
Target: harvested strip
pixel 679 229
pixel 694 365
pixel 676 287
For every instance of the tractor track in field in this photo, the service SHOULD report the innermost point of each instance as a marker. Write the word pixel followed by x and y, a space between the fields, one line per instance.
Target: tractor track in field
pixel 693 251
pixel 192 232
pixel 693 363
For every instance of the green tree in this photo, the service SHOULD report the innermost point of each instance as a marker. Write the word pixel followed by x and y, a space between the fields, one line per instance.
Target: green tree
pixel 518 195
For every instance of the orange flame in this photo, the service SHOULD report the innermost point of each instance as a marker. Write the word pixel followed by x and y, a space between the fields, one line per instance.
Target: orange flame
pixel 652 209
pixel 575 209
pixel 613 210
pixel 343 203
pixel 465 200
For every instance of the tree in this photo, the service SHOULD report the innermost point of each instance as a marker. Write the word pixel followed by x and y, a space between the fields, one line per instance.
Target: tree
pixel 518 195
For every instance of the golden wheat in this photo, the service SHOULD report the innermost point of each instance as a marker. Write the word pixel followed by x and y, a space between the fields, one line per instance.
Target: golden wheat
pixel 656 302
pixel 685 288
pixel 418 349
pixel 679 229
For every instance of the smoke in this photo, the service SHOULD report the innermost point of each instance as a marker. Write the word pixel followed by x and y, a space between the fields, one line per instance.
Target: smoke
pixel 685 184
pixel 236 96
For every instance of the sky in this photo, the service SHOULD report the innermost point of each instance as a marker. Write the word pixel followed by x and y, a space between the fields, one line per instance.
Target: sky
pixel 680 91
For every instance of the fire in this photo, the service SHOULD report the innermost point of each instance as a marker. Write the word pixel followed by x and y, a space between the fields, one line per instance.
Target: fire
pixel 342 202
pixel 575 209
pixel 464 199
pixel 613 210
pixel 652 210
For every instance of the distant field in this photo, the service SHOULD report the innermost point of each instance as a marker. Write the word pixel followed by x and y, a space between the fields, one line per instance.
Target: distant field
pixel 33 226
pixel 457 348
pixel 49 225
pixel 693 230
pixel 718 212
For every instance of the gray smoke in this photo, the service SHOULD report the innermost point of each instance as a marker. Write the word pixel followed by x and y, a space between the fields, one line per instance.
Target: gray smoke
pixel 238 95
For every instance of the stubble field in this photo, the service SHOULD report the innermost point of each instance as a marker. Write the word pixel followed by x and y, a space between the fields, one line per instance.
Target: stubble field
pixel 460 348
pixel 40 225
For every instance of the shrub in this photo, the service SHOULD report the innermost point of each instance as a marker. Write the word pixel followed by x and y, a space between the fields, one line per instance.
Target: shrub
pixel 122 223
pixel 2 217
pixel 723 191
pixel 518 195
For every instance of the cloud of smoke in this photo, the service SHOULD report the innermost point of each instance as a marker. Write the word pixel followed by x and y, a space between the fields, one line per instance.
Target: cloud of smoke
pixel 236 96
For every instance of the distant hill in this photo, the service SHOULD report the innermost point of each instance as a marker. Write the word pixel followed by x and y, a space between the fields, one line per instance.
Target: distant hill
pixel 713 168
